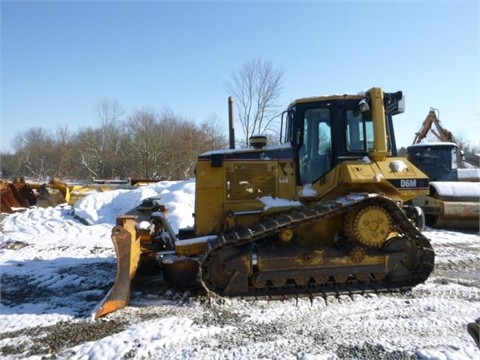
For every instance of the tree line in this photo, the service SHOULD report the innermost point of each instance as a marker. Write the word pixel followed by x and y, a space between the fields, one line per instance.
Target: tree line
pixel 144 145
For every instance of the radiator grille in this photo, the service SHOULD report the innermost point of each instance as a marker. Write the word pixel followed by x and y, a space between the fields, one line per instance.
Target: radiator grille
pixel 250 181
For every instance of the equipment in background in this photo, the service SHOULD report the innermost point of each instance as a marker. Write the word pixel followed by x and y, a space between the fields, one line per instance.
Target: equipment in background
pixel 20 194
pixel 454 197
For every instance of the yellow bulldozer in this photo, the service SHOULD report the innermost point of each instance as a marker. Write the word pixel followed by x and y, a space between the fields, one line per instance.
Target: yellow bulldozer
pixel 322 213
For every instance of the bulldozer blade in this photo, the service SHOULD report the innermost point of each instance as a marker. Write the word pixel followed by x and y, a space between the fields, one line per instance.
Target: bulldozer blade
pixel 127 249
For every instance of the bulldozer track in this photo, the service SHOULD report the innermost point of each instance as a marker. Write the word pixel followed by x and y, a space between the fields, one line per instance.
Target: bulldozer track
pixel 324 209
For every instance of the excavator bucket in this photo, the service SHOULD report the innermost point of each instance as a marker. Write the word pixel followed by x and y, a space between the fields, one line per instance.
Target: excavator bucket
pixel 127 249
pixel 16 196
pixel 9 198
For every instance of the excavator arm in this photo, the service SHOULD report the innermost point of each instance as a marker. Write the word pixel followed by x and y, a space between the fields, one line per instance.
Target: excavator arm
pixel 441 133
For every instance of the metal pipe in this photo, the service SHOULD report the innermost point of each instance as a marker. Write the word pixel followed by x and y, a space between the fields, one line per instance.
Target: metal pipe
pixel 231 122
pixel 246 212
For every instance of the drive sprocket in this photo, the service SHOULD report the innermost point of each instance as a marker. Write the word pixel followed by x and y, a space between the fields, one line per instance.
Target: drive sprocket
pixel 370 225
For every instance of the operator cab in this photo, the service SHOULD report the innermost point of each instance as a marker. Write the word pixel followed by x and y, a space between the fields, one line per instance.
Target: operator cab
pixel 324 131
pixel 438 160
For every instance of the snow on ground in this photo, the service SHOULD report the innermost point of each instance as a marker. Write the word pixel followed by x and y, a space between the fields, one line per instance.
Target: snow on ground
pixel 55 270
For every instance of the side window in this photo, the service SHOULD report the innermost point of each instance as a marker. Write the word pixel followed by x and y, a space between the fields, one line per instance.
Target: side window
pixel 455 158
pixel 315 155
pixel 359 132
pixel 287 124
pixel 369 135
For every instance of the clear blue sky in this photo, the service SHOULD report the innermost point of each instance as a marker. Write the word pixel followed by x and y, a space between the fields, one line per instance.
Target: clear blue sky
pixel 59 59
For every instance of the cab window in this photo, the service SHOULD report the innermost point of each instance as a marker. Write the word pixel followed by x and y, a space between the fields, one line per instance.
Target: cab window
pixel 359 132
pixel 315 153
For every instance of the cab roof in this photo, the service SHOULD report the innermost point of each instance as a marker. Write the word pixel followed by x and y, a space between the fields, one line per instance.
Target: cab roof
pixel 326 98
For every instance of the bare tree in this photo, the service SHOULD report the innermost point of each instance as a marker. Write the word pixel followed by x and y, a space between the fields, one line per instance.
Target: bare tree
pixel 109 114
pixel 8 165
pixel 89 154
pixel 256 87
pixel 65 154
pixel 36 154
pixel 166 145
pixel 147 140
pixel 212 129
pixel 179 149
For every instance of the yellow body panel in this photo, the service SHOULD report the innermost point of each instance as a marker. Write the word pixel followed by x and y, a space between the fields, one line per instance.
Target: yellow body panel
pixel 235 188
pixel 358 176
pixel 209 191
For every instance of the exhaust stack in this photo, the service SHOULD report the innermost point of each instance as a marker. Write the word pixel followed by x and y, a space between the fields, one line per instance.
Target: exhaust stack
pixel 231 122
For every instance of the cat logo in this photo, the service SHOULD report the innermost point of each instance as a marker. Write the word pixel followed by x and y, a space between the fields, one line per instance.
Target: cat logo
pixel 408 183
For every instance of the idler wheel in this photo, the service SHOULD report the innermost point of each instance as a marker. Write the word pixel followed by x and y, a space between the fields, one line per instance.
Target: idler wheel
pixel 226 272
pixel 405 270
pixel 218 275
pixel 398 243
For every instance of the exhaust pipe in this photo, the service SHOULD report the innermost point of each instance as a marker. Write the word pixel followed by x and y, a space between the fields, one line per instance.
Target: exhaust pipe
pixel 231 122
